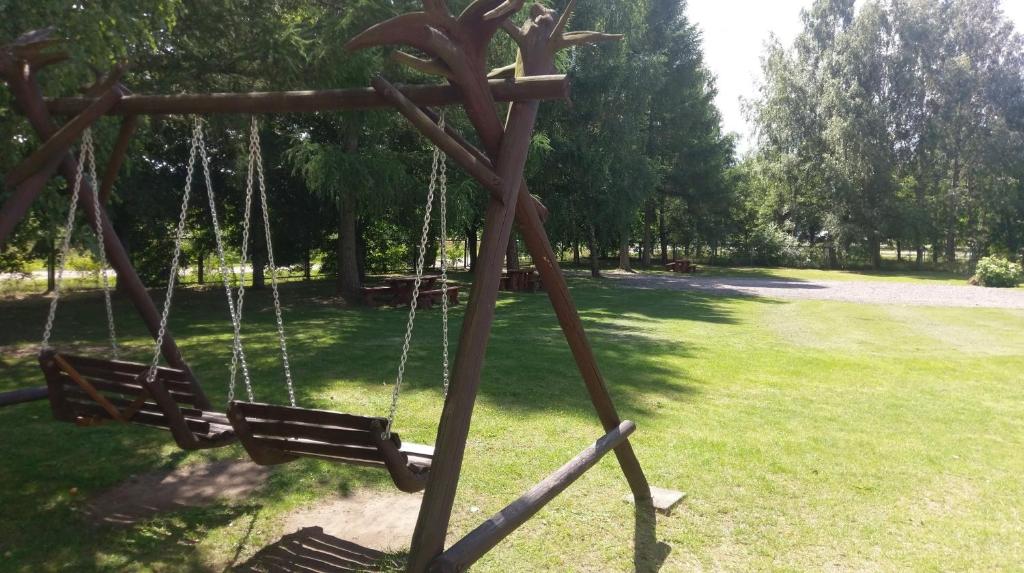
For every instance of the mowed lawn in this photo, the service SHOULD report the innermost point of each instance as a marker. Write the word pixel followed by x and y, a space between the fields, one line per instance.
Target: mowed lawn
pixel 809 435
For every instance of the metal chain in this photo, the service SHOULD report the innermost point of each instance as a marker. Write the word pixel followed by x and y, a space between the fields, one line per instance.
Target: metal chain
pixel 69 227
pixel 87 148
pixel 219 240
pixel 444 270
pixel 176 258
pixel 236 354
pixel 256 156
pixel 396 390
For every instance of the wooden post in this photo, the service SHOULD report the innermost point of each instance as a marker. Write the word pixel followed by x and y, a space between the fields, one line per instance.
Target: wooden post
pixel 458 48
pixel 117 155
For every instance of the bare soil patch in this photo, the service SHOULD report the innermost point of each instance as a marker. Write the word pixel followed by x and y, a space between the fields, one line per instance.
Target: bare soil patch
pixel 143 497
pixel 378 520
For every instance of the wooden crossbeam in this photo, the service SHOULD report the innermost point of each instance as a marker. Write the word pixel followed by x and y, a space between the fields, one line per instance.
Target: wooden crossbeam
pixel 473 546
pixel 546 87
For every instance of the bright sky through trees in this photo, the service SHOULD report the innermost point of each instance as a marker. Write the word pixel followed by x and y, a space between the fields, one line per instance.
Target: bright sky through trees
pixel 734 34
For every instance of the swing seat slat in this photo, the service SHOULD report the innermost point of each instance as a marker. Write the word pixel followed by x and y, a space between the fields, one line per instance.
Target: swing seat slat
pixel 274 435
pixel 92 391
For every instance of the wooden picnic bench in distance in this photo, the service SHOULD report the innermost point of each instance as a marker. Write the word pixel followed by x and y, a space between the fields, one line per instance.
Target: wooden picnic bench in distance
pixel 521 280
pixel 683 266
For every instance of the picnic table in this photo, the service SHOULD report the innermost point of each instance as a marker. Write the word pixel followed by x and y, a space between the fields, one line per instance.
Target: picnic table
pixel 521 280
pixel 683 266
pixel 397 291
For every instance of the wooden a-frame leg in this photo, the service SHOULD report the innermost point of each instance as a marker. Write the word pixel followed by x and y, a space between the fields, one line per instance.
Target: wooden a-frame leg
pixel 435 512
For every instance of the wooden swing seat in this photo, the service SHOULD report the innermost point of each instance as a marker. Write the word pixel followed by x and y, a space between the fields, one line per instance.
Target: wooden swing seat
pixel 92 391
pixel 273 434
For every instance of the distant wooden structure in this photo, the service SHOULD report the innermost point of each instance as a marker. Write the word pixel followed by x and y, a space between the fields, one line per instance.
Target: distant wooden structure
pixel 684 266
pixel 457 48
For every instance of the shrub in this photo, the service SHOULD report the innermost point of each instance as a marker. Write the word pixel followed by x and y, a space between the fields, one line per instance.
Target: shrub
pixel 998 272
pixel 771 246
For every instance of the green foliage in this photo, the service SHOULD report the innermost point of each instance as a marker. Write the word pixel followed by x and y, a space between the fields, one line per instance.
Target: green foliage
pixel 900 121
pixel 998 272
pixel 770 245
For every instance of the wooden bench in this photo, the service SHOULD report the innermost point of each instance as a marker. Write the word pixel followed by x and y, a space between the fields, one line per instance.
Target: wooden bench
pixel 429 298
pixel 683 266
pixel 370 295
pixel 92 391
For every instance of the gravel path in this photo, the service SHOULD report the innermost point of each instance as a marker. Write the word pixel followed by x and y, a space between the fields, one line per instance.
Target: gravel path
pixel 914 294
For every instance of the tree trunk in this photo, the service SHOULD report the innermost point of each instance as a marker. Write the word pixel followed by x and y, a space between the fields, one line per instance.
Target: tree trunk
pixel 259 266
pixel 307 267
pixel 51 268
pixel 512 254
pixel 471 240
pixel 624 262
pixel 595 269
pixel 833 257
pixel 920 256
pixel 576 252
pixel 875 245
pixel 361 250
pixel 347 284
pixel 951 219
pixel 648 246
pixel 662 231
pixel 201 268
pixel 899 251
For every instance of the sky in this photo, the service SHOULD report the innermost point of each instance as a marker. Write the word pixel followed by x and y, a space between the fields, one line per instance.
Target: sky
pixel 735 32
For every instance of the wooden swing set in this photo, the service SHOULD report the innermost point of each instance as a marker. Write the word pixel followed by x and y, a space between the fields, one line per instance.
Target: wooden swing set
pixel 89 390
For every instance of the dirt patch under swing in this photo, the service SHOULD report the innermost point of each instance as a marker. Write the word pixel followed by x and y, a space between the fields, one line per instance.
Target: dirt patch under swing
pixel 143 497
pixel 378 520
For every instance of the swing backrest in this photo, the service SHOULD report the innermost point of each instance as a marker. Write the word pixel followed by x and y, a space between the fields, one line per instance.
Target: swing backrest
pixel 116 389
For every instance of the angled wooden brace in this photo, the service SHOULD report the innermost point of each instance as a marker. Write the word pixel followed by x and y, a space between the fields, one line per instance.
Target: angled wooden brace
pixel 57 145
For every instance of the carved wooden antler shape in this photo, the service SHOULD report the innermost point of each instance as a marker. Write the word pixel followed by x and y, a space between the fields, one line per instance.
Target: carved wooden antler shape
pixel 542 36
pixel 31 50
pixel 456 46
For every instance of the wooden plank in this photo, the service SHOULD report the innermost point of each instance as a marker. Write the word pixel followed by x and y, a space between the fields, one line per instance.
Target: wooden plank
pixel 273 412
pixel 328 451
pixel 123 366
pixel 470 548
pixel 127 383
pixel 23 395
pixel 518 89
pixel 332 435
pixel 123 401
pixel 147 417
pixel 88 387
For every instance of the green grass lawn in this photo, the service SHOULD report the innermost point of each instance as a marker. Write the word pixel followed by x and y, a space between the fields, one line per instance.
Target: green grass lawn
pixel 809 435
pixel 884 275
